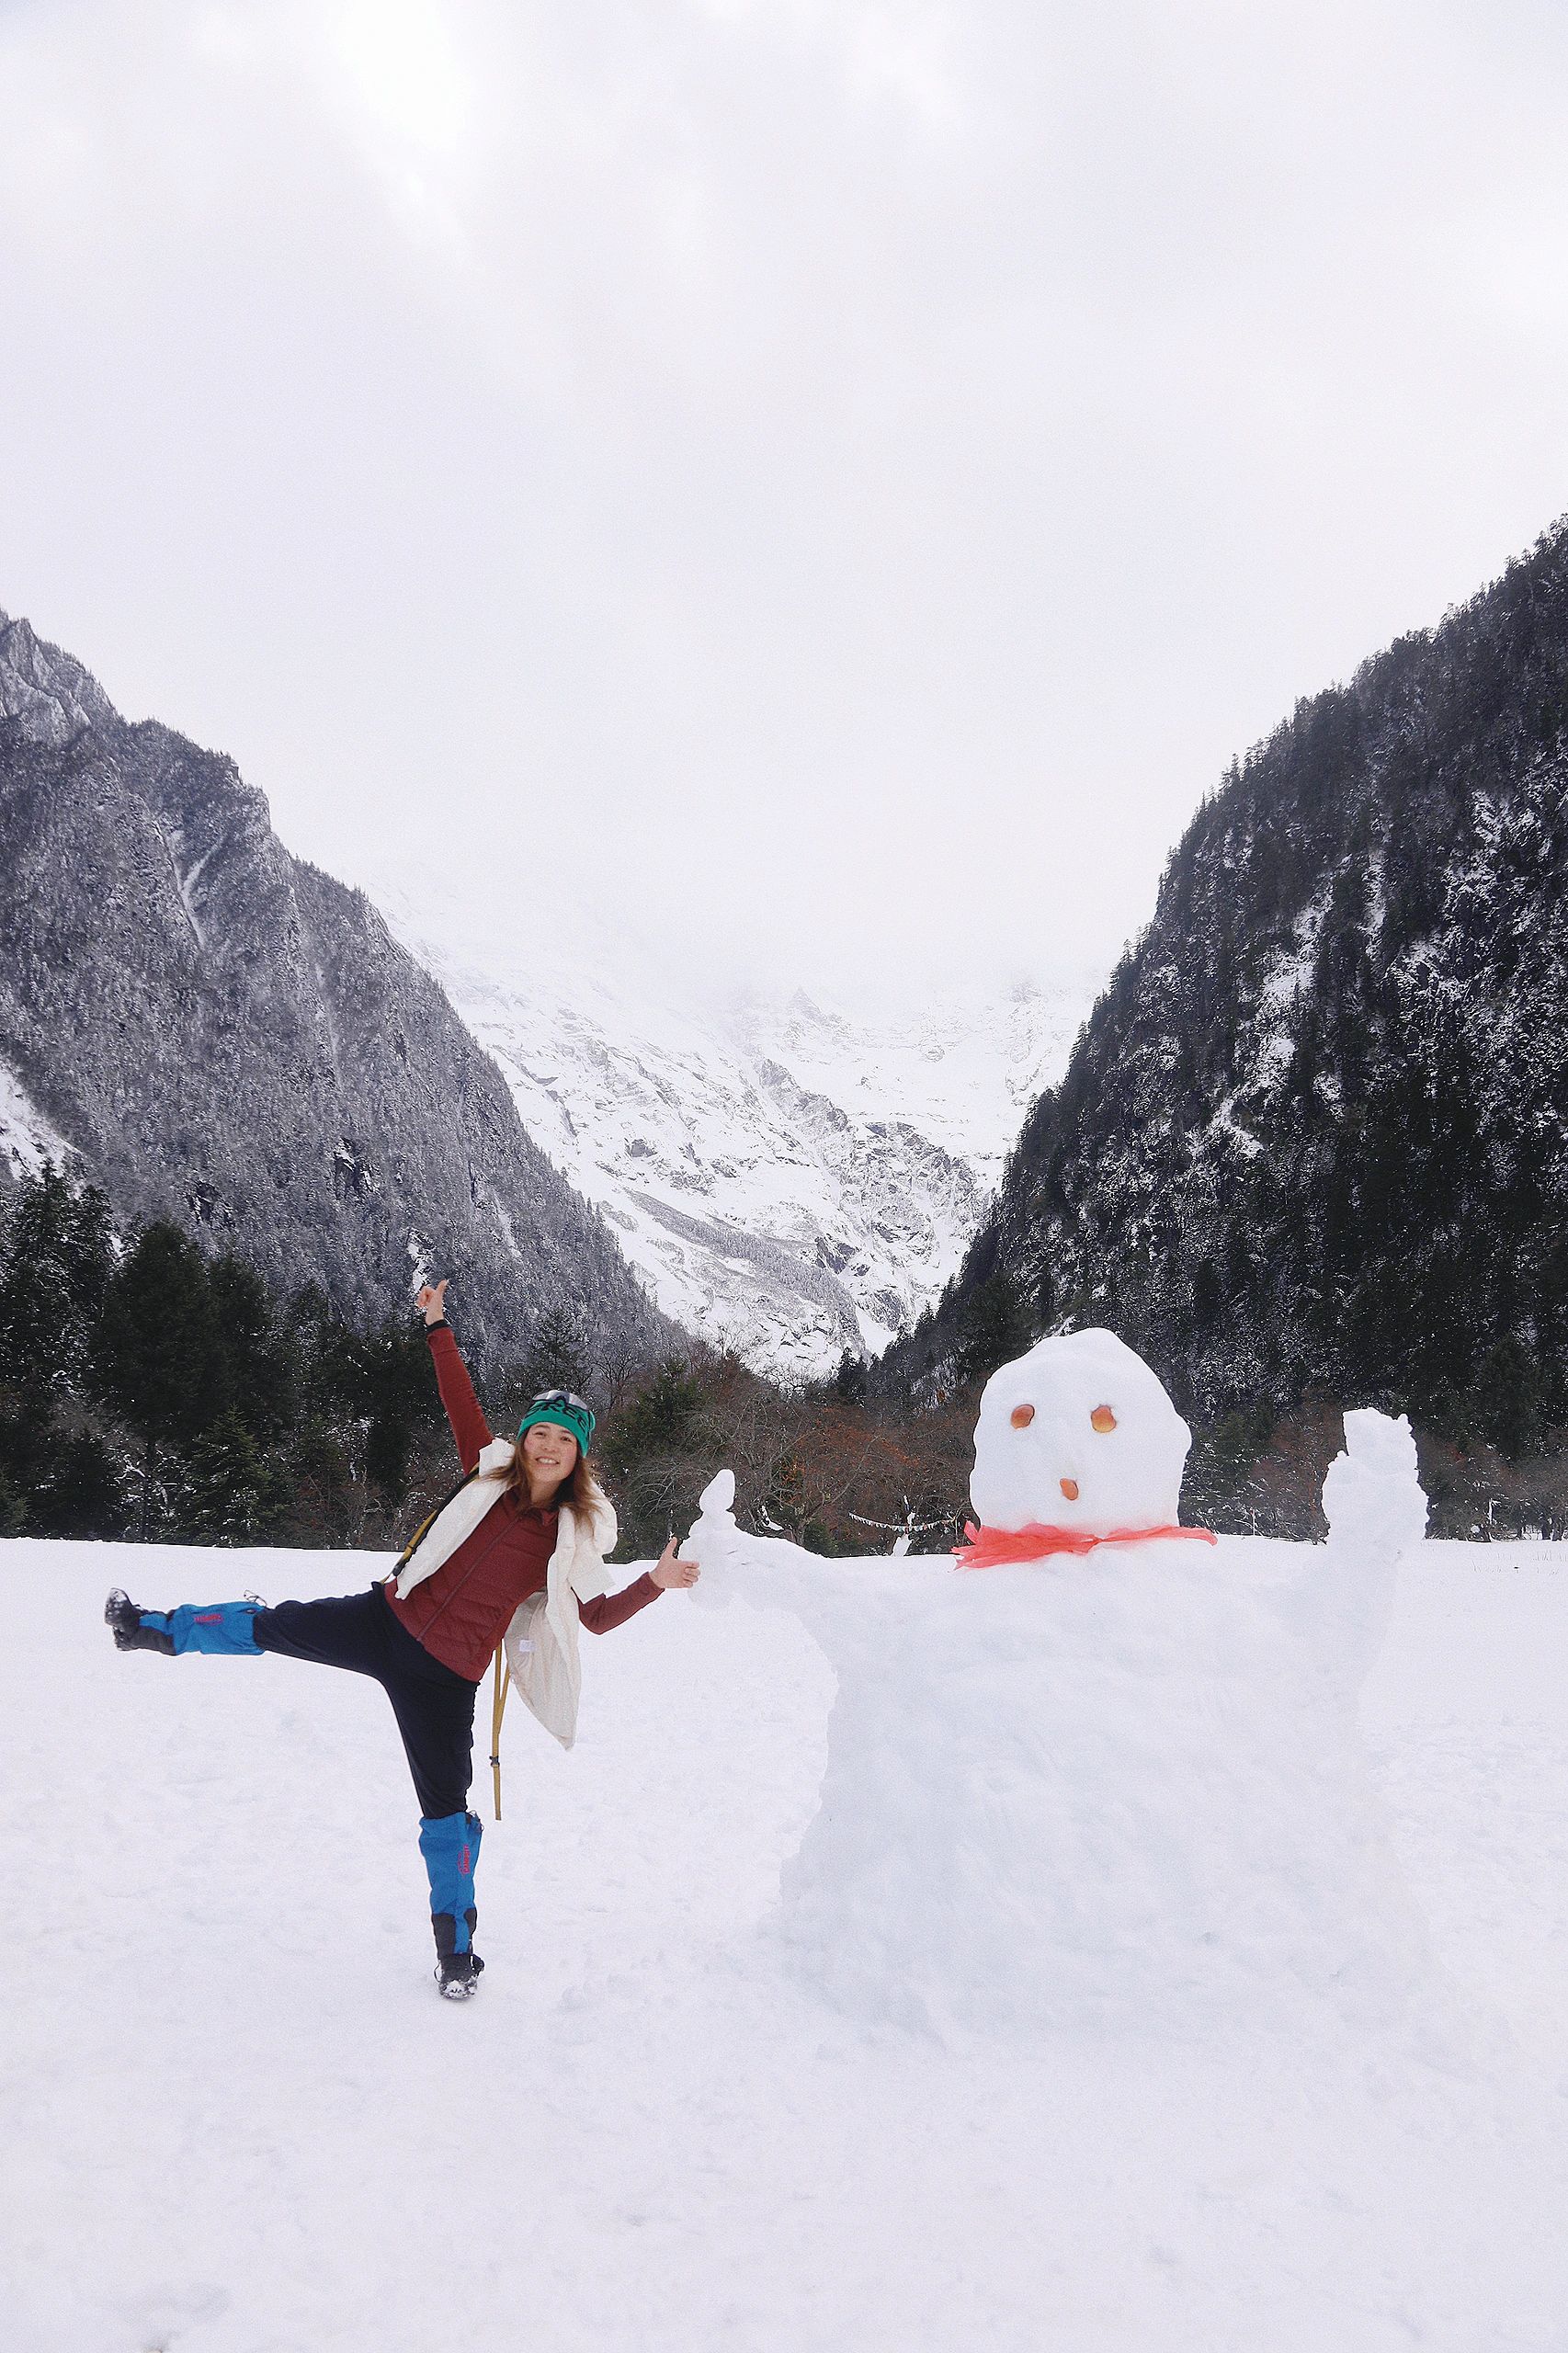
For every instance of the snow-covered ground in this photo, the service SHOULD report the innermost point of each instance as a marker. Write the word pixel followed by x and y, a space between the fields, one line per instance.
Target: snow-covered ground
pixel 236 2116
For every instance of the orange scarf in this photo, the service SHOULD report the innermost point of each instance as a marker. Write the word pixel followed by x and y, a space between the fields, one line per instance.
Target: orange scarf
pixel 990 1548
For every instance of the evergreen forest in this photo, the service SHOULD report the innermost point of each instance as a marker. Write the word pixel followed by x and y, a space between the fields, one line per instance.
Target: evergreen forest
pixel 153 1392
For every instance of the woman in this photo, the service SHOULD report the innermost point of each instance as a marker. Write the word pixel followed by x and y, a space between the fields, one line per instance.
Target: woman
pixel 515 1551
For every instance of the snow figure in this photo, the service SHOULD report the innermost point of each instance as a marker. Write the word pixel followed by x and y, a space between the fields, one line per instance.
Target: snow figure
pixel 1114 1786
pixel 1373 1502
pixel 1077 1440
pixel 1371 1497
pixel 715 1541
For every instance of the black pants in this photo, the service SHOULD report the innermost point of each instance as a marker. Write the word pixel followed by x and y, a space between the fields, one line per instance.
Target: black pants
pixel 434 1707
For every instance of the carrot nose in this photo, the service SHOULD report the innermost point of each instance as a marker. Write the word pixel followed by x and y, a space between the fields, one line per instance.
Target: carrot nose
pixel 1070 1489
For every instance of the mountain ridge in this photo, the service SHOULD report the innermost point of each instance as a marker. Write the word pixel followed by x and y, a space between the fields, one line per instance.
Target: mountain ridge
pixel 1313 1137
pixel 794 1180
pixel 223 1033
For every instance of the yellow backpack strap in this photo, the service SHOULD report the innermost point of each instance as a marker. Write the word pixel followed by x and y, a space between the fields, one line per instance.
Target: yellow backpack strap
pixel 418 1536
pixel 498 1709
pixel 423 1530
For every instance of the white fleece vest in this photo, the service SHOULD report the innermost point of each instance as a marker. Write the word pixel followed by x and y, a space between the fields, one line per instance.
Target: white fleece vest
pixel 541 1639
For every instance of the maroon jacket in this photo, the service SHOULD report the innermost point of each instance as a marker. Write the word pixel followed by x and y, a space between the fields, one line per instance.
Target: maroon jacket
pixel 461 1612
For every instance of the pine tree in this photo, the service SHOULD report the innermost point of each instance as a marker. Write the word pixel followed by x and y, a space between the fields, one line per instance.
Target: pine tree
pixel 659 1421
pixel 156 1353
pixel 649 1449
pixel 232 1492
pixel 27 1436
pixel 57 1264
pixel 80 1492
pixel 1508 1395
pixel 995 1328
pixel 399 1398
pixel 257 1375
pixel 557 1356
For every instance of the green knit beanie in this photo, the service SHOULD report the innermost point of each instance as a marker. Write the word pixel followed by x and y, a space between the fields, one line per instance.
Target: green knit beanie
pixel 566 1410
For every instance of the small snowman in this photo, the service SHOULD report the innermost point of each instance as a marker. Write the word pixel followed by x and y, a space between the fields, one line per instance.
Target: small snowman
pixel 1077 1444
pixel 716 1541
pixel 1373 1497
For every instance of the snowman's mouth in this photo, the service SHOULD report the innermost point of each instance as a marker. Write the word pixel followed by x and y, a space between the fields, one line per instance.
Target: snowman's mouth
pixel 1070 1489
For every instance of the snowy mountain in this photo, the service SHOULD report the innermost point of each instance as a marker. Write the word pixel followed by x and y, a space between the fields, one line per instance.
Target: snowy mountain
pixel 794 1177
pixel 214 1032
pixel 1315 1137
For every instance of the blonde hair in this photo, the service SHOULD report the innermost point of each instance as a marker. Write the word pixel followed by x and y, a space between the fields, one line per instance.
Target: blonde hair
pixel 580 1490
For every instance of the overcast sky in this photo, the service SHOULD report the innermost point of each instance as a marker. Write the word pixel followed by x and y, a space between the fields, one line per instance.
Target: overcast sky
pixel 841 478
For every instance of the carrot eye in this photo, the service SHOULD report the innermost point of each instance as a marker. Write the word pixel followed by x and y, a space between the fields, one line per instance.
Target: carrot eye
pixel 1021 1416
pixel 1102 1419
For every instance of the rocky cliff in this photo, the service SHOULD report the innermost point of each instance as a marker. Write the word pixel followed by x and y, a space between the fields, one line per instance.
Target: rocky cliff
pixel 222 1034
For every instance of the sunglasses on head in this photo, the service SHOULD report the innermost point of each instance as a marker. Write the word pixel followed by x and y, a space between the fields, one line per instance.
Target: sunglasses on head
pixel 562 1397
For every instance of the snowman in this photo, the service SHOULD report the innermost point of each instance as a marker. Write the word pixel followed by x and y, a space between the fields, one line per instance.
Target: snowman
pixel 1114 1782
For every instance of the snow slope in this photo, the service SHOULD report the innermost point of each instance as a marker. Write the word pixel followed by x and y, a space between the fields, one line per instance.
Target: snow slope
pixel 793 1175
pixel 237 2118
pixel 27 1138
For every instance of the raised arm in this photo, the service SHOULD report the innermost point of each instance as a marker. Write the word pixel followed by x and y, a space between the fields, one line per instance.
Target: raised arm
pixel 470 1427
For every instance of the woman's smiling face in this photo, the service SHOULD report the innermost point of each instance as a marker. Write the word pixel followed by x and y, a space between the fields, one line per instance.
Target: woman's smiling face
pixel 549 1455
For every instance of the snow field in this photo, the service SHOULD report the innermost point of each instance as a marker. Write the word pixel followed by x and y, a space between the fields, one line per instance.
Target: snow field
pixel 237 2118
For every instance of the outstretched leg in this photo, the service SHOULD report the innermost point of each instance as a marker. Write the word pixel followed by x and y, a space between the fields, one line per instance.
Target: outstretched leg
pixel 348 1631
pixel 221 1628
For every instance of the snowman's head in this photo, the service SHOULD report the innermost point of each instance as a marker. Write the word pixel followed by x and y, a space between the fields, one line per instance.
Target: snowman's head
pixel 1079 1434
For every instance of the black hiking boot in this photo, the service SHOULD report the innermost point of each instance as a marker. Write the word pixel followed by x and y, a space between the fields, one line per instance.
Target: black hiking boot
pixel 457 1974
pixel 129 1633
